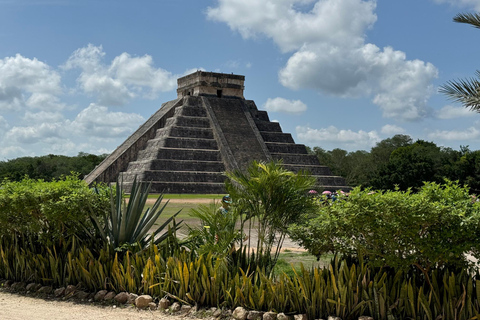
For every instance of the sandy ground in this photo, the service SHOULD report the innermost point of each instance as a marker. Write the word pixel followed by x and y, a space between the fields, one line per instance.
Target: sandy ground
pixel 18 307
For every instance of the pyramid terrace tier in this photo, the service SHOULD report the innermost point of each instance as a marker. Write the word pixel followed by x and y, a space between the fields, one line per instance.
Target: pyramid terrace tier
pixel 181 143
pixel 176 176
pixel 188 121
pixel 185 132
pixel 177 165
pixel 180 154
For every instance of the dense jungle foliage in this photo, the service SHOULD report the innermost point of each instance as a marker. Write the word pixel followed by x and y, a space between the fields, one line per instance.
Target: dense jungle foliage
pixel 401 162
pixel 49 167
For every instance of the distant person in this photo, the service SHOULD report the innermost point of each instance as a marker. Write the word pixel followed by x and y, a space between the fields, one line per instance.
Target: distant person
pixel 226 202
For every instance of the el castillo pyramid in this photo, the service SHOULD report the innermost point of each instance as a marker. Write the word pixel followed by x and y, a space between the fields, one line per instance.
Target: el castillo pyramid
pixel 187 145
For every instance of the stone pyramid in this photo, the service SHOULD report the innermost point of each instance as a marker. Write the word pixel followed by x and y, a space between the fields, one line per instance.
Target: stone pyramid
pixel 210 128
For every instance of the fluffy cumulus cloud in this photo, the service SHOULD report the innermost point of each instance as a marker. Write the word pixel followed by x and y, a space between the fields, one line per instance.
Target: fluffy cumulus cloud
pixel 28 83
pixel 35 119
pixel 97 121
pixel 285 106
pixel 330 54
pixel 126 77
pixel 465 135
pixel 390 129
pixel 450 112
pixel 359 140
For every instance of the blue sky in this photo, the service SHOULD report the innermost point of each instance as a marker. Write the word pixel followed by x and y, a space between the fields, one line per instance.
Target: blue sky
pixel 81 76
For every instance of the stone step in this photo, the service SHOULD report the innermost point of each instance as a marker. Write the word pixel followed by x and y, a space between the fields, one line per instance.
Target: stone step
pixel 192 122
pixel 268 126
pixel 311 169
pixel 183 187
pixel 182 143
pixel 191 111
pixel 191 132
pixel 177 165
pixel 180 154
pixel 260 115
pixel 177 176
pixel 276 147
pixel 296 159
pixel 277 137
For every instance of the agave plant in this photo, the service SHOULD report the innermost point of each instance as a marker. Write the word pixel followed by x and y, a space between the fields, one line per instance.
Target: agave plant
pixel 128 223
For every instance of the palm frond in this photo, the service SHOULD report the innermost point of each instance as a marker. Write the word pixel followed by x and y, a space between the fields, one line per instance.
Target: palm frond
pixel 469 18
pixel 465 91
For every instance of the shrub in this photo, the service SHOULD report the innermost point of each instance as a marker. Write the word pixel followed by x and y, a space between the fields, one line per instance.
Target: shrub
pixel 49 212
pixel 434 227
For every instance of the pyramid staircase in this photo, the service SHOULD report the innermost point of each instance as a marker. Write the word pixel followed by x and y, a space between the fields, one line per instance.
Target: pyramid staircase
pixel 183 157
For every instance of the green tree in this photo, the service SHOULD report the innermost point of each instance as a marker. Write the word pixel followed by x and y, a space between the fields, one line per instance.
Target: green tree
pixel 465 91
pixel 410 166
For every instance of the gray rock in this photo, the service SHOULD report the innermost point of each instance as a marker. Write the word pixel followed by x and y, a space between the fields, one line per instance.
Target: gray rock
pixel 142 301
pixel 216 312
pixel 31 287
pixel 18 286
pixel 100 295
pixel 175 307
pixel 300 317
pixel 333 318
pixel 163 304
pixel 109 296
pixel 240 313
pixel 255 315
pixel 122 297
pixel 82 295
pixel 185 309
pixel 270 316
pixel 59 292
pixel 70 289
pixel 45 290
pixel 152 306
pixel 365 318
pixel 8 283
pixel 283 316
pixel 131 298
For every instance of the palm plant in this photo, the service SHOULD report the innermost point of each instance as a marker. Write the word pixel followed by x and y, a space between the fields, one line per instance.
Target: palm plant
pixel 465 91
pixel 270 198
pixel 129 223
pixel 217 231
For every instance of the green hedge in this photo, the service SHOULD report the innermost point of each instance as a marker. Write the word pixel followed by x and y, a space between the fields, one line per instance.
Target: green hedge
pixel 49 212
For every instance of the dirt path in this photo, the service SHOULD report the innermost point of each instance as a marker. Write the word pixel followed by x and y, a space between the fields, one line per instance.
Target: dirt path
pixel 18 307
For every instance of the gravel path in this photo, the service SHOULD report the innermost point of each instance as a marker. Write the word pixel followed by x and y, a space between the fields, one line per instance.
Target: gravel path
pixel 18 307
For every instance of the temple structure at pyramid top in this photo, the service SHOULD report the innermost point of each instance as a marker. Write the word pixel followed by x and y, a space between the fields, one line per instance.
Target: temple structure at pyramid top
pixel 188 144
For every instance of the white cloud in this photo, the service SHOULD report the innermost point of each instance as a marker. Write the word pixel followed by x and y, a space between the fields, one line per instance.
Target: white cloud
pixel 34 134
pixel 358 139
pixel 473 4
pixel 450 112
pixel 42 116
pixel 29 83
pixel 390 129
pixel 97 121
pixel 331 55
pixel 3 125
pixel 468 134
pixel 283 105
pixel 10 152
pixel 124 79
